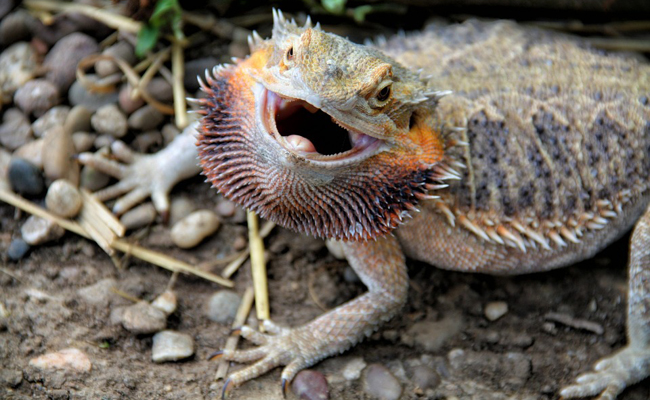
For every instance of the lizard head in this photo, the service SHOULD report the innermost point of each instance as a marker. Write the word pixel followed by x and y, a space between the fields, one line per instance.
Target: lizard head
pixel 321 135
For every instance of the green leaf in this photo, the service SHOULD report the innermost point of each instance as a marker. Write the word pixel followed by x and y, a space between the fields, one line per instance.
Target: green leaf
pixel 334 6
pixel 147 38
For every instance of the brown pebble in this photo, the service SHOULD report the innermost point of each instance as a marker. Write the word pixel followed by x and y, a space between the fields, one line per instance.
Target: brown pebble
pixel 63 199
pixel 226 208
pixel 93 179
pixel 37 96
pixel 127 103
pixel 32 152
pixel 121 50
pixel 61 62
pixel 310 385
pixel 78 119
pixel 83 141
pixel 18 65
pixel 143 318
pixel 16 27
pixel 37 230
pixel 109 120
pixel 145 118
pixel 59 163
pixel 140 216
pixel 191 230
pixel 160 89
pixel 15 130
pixel 147 140
pixel 55 116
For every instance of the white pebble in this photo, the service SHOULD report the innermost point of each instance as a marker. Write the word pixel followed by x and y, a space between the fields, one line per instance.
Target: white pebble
pixel 171 346
pixel 109 120
pixel 192 229
pixel 63 199
pixel 166 302
pixel 495 310
pixel 143 318
pixel 68 359
pixel 38 230
pixel 352 370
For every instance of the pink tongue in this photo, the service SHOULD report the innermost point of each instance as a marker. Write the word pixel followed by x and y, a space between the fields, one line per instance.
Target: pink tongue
pixel 300 143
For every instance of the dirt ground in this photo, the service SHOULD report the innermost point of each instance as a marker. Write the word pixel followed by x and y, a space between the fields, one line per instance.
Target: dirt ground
pixel 526 354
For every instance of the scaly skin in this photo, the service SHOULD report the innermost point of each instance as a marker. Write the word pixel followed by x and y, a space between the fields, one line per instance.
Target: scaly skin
pixel 538 159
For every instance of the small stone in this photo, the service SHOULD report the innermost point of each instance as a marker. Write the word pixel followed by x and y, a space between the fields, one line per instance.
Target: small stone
pixel 430 335
pixel 37 96
pixel 110 120
pixel 61 62
pixel 25 178
pixel 169 133
pixel 126 101
pixel 37 231
pixel 72 360
pixel 18 64
pixel 83 141
pixel 78 95
pixel 166 302
pixel 160 89
pixel 239 243
pixel 352 369
pixel 99 294
pixel 78 120
pixel 18 248
pixel 495 310
pixel 63 199
pixel 171 346
pixel 59 163
pixel 16 27
pixel 140 216
pixel 143 318
pixel 145 118
pixel 32 152
pixel 121 50
pixel 378 381
pixel 15 130
pixel 147 140
pixel 425 377
pixel 196 68
pixel 226 208
pixel 222 306
pixel 93 179
pixel 10 377
pixel 310 385
pixel 180 208
pixel 55 116
pixel 191 230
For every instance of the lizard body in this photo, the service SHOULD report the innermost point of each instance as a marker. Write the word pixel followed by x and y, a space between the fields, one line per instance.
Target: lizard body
pixel 538 158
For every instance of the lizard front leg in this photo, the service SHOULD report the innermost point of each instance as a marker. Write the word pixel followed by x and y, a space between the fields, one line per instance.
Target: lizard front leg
pixel 380 265
pixel 632 363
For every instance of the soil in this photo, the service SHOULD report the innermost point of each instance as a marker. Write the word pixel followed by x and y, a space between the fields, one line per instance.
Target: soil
pixel 473 359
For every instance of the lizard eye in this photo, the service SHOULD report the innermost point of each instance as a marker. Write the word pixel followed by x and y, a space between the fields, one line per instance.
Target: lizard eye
pixel 289 55
pixel 383 94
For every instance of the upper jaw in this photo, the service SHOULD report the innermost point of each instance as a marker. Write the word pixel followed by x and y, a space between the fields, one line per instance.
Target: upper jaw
pixel 300 127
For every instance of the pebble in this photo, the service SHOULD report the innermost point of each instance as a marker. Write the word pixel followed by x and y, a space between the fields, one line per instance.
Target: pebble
pixel 15 130
pixel 222 306
pixel 517 367
pixel 10 377
pixel 36 97
pixel 59 163
pixel 145 118
pixel 180 208
pixel 127 103
pixel 37 231
pixel 61 61
pixel 160 89
pixel 15 27
pixel 78 95
pixel 73 360
pixel 140 216
pixel 55 116
pixel 171 346
pixel 166 302
pixel 32 152
pixel 99 294
pixel 169 133
pixel 352 369
pixel 18 65
pixel 93 179
pixel 25 178
pixel 143 318
pixel 78 119
pixel 121 50
pixel 425 377
pixel 63 199
pixel 495 310
pixel 191 230
pixel 310 385
pixel 226 208
pixel 83 141
pixel 432 335
pixel 18 248
pixel 196 68
pixel 145 141
pixel 379 382
pixel 110 120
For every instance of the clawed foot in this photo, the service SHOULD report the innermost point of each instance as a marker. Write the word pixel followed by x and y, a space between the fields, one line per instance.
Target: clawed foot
pixel 144 175
pixel 612 375
pixel 295 348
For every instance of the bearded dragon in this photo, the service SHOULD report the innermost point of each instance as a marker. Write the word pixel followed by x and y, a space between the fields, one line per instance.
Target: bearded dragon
pixel 481 147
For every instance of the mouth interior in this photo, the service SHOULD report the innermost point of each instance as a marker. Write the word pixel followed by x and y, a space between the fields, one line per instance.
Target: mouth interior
pixel 311 130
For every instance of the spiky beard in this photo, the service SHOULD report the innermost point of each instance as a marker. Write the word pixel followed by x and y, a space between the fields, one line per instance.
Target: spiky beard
pixel 346 201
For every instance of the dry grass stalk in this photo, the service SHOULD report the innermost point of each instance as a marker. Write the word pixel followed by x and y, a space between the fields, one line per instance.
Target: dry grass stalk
pixel 231 268
pixel 231 342
pixel 258 266
pixel 178 86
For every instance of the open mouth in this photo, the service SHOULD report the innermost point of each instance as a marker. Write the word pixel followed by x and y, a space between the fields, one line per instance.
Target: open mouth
pixel 311 133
